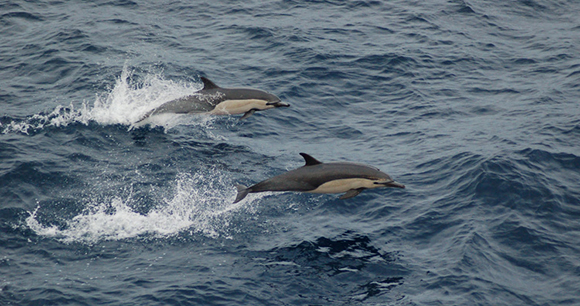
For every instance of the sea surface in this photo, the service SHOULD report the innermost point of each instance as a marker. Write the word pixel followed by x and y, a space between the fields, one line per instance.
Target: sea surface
pixel 473 105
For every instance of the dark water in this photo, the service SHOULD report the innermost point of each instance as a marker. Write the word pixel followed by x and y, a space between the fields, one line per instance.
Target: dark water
pixel 473 105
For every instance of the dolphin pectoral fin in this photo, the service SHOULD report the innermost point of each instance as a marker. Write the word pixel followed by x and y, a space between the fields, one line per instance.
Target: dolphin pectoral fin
pixel 351 193
pixel 248 114
pixel 242 192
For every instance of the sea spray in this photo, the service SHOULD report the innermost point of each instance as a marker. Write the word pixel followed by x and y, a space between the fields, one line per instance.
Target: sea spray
pixel 124 103
pixel 199 203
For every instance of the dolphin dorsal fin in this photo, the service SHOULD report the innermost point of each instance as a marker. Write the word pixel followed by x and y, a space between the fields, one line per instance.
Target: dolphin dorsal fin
pixel 207 84
pixel 310 161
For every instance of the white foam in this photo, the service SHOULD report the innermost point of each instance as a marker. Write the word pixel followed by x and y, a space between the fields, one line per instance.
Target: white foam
pixel 125 103
pixel 202 204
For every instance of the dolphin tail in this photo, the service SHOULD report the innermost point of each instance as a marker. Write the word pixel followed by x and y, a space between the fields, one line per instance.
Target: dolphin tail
pixel 147 115
pixel 242 192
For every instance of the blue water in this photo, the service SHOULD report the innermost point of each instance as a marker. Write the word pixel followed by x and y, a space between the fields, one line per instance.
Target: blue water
pixel 473 105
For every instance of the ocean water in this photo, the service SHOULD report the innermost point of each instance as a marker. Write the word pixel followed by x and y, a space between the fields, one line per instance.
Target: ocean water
pixel 473 105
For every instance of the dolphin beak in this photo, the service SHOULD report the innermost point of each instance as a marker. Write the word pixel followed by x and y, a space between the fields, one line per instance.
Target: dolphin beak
pixel 278 104
pixel 394 184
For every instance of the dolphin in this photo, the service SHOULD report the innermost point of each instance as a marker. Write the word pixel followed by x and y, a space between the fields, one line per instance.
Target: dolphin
pixel 319 177
pixel 216 100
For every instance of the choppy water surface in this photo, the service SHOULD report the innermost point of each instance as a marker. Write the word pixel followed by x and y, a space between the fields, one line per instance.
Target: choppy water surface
pixel 473 105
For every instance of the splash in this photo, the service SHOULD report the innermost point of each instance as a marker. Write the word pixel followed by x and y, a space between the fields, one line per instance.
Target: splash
pixel 202 204
pixel 129 100
pixel 60 116
pixel 125 103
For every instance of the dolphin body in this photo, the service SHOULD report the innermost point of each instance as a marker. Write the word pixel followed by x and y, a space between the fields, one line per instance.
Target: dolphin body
pixel 216 100
pixel 319 177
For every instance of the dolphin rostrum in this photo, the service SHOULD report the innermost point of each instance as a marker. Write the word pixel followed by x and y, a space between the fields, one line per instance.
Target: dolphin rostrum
pixel 319 177
pixel 216 100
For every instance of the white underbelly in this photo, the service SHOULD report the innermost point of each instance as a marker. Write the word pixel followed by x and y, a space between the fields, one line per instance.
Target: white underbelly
pixel 344 185
pixel 234 107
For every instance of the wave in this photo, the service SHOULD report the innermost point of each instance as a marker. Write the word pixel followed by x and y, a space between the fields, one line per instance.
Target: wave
pixel 346 260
